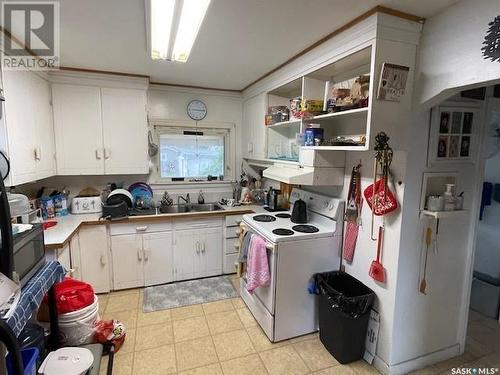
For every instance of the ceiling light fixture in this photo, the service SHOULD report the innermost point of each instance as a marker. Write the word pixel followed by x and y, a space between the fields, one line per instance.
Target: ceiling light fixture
pixel 174 26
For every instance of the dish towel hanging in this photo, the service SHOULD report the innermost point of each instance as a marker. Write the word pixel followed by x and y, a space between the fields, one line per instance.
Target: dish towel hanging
pixel 257 265
pixel 351 237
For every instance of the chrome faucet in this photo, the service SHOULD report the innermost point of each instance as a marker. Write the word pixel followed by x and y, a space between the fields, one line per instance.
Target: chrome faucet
pixel 187 199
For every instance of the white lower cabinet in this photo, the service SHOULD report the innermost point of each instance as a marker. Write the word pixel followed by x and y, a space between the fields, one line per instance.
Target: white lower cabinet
pixel 197 253
pixel 158 258
pixel 186 254
pixel 146 254
pixel 211 253
pixel 127 257
pixel 94 265
pixel 141 259
pixel 74 247
pixel 63 257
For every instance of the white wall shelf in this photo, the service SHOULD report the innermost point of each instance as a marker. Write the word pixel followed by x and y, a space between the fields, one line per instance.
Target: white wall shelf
pixel 318 85
pixel 335 148
pixel 341 113
pixel 285 123
pixel 442 214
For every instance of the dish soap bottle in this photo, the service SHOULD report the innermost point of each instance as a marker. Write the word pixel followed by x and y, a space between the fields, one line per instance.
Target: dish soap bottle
pixel 201 198
pixel 450 201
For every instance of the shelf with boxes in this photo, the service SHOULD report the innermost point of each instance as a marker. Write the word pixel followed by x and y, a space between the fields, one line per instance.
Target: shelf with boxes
pixel 326 109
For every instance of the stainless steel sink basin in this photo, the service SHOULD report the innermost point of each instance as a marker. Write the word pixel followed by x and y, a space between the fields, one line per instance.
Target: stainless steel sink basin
pixel 206 207
pixel 190 208
pixel 173 209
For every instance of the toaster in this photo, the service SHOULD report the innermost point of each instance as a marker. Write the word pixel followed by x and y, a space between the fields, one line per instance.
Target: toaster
pixel 86 205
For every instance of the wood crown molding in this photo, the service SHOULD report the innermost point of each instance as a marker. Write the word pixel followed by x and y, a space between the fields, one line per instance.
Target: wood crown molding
pixel 374 10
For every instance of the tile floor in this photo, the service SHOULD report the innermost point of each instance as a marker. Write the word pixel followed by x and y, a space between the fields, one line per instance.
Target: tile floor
pixel 223 338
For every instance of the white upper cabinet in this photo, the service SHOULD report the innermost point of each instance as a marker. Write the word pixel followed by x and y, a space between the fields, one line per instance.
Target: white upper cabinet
pixel 20 126
pixel 45 151
pixel 29 131
pixel 100 130
pixel 124 129
pixel 78 129
pixel 254 130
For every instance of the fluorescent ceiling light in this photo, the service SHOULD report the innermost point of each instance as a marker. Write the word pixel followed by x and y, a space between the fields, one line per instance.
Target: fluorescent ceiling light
pixel 162 14
pixel 193 12
pixel 174 27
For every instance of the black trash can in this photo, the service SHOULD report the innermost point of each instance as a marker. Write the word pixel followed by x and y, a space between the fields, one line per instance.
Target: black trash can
pixel 344 312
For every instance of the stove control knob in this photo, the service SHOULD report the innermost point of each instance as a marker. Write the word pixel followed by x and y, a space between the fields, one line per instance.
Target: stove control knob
pixel 85 205
pixel 325 204
pixel 330 206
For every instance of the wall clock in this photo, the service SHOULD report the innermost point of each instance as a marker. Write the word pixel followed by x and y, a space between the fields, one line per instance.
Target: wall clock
pixel 197 110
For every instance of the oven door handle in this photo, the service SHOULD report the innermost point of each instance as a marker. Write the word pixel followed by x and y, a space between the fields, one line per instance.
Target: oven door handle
pixel 269 245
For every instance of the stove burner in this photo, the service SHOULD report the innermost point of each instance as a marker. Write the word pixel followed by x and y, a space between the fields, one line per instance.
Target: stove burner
pixel 264 218
pixel 283 232
pixel 283 216
pixel 305 228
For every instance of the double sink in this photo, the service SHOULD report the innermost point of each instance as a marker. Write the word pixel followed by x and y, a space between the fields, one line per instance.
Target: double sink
pixel 195 207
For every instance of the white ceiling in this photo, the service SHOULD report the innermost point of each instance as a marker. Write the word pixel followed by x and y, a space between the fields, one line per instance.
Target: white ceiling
pixel 239 41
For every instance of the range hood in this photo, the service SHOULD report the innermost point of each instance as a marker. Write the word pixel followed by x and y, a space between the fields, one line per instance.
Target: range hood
pixel 314 168
pixel 297 175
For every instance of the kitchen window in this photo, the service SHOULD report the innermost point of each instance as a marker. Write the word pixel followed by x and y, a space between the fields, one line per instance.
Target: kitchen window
pixel 192 154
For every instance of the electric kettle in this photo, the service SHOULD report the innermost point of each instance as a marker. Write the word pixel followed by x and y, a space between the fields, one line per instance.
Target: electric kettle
pixel 299 212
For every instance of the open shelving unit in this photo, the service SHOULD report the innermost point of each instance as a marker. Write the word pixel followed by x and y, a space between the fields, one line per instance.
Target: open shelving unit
pixel 318 85
pixel 442 214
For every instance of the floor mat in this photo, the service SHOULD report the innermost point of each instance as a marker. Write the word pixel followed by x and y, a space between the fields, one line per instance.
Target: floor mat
pixel 184 293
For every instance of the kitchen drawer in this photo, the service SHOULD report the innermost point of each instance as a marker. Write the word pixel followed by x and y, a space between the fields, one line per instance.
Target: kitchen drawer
pixel 232 246
pixel 233 220
pixel 232 232
pixel 197 223
pixel 139 227
pixel 230 263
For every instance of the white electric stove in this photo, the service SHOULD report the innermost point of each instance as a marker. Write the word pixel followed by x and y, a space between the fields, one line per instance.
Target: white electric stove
pixel 285 309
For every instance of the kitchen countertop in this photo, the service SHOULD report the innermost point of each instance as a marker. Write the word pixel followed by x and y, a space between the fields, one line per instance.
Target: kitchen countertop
pixel 59 235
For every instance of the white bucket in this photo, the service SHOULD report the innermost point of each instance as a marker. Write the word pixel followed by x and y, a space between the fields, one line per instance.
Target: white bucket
pixel 77 327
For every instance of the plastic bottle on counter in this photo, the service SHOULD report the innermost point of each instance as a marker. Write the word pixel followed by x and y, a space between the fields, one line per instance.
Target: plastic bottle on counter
pixel 47 207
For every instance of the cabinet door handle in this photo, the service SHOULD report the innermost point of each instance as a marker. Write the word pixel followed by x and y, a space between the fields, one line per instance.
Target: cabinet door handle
pixel 146 255
pixel 98 154
pixel 203 247
pixel 103 260
pixel 107 153
pixel 197 247
pixel 38 153
pixel 142 229
pixel 237 245
pixel 139 255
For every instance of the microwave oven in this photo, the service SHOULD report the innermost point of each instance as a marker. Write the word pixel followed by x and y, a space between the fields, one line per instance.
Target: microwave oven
pixel 28 254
